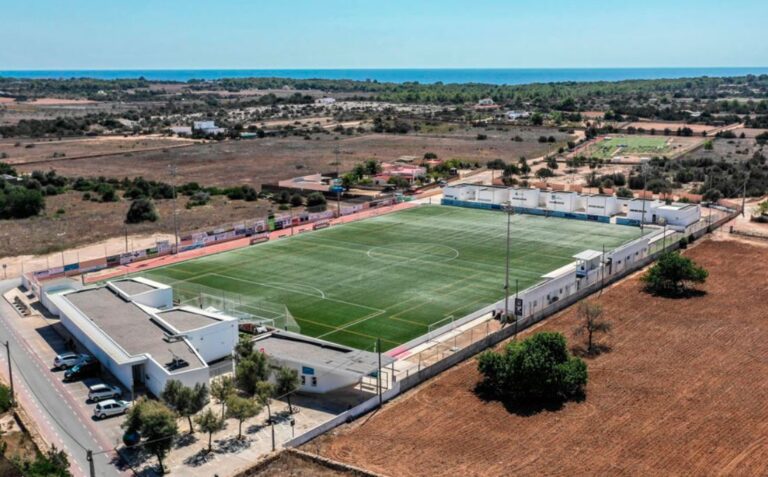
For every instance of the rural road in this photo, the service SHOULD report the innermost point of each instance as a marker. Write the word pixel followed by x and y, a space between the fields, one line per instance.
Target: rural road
pixel 47 402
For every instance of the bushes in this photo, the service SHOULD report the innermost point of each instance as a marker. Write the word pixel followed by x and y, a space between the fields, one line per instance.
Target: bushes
pixel 20 203
pixel 141 210
pixel 537 370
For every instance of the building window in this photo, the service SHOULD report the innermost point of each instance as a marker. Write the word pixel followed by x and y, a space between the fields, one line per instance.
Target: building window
pixel 303 380
pixel 314 381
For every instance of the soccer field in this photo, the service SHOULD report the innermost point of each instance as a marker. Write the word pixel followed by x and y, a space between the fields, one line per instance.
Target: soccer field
pixel 631 145
pixel 391 276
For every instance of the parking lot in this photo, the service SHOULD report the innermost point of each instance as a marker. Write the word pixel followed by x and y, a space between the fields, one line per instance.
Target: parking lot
pixel 48 339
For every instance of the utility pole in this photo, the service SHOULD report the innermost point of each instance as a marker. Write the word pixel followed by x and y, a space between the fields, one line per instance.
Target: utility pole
pixel 514 337
pixel 378 373
pixel 602 272
pixel 338 183
pixel 509 210
pixel 645 184
pixel 126 238
pixel 172 169
pixel 89 457
pixel 10 370
pixel 744 193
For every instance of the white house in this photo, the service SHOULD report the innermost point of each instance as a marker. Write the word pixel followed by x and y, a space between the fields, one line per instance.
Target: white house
pixel 678 215
pixel 325 100
pixel 133 329
pixel 460 192
pixel 207 127
pixel 322 366
pixel 524 197
pixel 602 204
pixel 564 201
pixel 642 210
pixel 515 115
pixel 492 195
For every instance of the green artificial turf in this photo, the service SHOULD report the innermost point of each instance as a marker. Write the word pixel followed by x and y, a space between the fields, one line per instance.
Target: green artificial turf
pixel 387 277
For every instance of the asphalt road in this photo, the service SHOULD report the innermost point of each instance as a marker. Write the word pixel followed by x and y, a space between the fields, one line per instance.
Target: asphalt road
pixel 43 396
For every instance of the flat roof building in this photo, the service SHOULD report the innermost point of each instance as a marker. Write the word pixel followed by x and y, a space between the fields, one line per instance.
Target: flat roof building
pixel 133 329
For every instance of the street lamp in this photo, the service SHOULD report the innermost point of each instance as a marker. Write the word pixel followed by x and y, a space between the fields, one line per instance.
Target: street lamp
pixel 509 209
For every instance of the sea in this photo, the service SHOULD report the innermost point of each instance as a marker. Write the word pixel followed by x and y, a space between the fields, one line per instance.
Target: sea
pixel 498 76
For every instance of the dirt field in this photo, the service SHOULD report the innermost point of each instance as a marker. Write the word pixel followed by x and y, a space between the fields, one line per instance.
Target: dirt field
pixel 731 150
pixel 39 153
pixel 268 160
pixel 660 126
pixel 88 222
pixel 681 393
pixel 294 464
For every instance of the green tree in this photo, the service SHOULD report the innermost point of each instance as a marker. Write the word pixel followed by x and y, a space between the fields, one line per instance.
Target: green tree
pixel 372 167
pixel 221 389
pixel 672 275
pixel 20 203
pixel 297 200
pixel 544 173
pixel 241 408
pixel 209 423
pixel 317 201
pixel 52 463
pixel 141 210
pixel 287 382
pixel 184 400
pixel 590 316
pixel 537 370
pixel 250 371
pixel 265 392
pixel 244 347
pixel 399 182
pixel 157 425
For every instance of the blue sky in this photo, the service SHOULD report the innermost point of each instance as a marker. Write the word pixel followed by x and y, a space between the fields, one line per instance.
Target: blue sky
pixel 166 34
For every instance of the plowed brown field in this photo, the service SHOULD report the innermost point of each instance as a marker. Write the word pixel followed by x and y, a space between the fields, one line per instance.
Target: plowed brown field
pixel 684 391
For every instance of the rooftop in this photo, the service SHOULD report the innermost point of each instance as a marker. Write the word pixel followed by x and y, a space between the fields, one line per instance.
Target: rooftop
pixel 313 351
pixel 587 255
pixel 131 327
pixel 132 287
pixel 186 320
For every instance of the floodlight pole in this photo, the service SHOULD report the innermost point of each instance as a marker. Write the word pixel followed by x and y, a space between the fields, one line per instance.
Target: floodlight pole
pixel 645 185
pixel 744 194
pixel 514 337
pixel 508 210
pixel 172 169
pixel 378 373
pixel 10 370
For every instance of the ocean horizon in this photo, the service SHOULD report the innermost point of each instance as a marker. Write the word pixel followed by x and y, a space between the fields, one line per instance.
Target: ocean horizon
pixel 496 76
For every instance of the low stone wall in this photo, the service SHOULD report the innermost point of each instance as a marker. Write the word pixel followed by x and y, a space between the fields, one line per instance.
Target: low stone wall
pixel 316 459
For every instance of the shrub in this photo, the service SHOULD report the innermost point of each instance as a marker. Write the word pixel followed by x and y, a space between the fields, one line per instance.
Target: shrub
pixel 538 369
pixel 297 200
pixel 141 210
pixel 673 274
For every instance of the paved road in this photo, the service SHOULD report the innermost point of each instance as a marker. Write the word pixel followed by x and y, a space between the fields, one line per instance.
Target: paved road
pixel 47 402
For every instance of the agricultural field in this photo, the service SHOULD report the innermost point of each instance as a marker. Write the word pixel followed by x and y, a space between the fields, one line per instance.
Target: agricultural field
pixel 676 393
pixel 630 145
pixel 268 160
pixel 389 277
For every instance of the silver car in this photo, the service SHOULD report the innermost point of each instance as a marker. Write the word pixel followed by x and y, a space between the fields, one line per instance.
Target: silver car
pixel 99 392
pixel 67 360
pixel 110 407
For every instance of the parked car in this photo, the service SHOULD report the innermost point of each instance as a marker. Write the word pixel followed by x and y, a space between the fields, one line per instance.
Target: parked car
pixel 67 360
pixel 83 369
pixel 110 407
pixel 100 392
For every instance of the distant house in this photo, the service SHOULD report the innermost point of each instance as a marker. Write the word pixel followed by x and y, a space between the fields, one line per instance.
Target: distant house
pixel 515 115
pixel 486 102
pixel 207 127
pixel 407 171
pixel 182 130
pixel 325 100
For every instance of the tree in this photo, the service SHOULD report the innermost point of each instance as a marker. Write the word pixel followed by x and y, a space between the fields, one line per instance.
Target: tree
pixel 141 210
pixel 495 164
pixel 525 169
pixel 537 119
pixel 287 382
pixel 590 322
pixel 209 423
pixel 317 201
pixel 552 163
pixel 712 195
pixel 265 392
pixel 624 193
pixel 20 203
pixel 537 370
pixel 184 400
pixel 297 200
pixel 221 389
pixel 250 371
pixel 399 182
pixel 157 425
pixel 544 173
pixel 241 408
pixel 672 275
pixel 244 347
pixel 52 463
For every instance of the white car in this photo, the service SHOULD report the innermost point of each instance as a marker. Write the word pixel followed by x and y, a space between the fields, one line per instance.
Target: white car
pixel 110 407
pixel 99 392
pixel 67 360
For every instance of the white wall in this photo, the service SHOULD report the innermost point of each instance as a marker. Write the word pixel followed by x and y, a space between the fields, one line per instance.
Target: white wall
pixel 214 341
pixel 156 376
pixel 549 291
pixel 635 210
pixel 680 217
pixel 524 197
pixel 602 205
pixel 563 201
pixel 328 379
